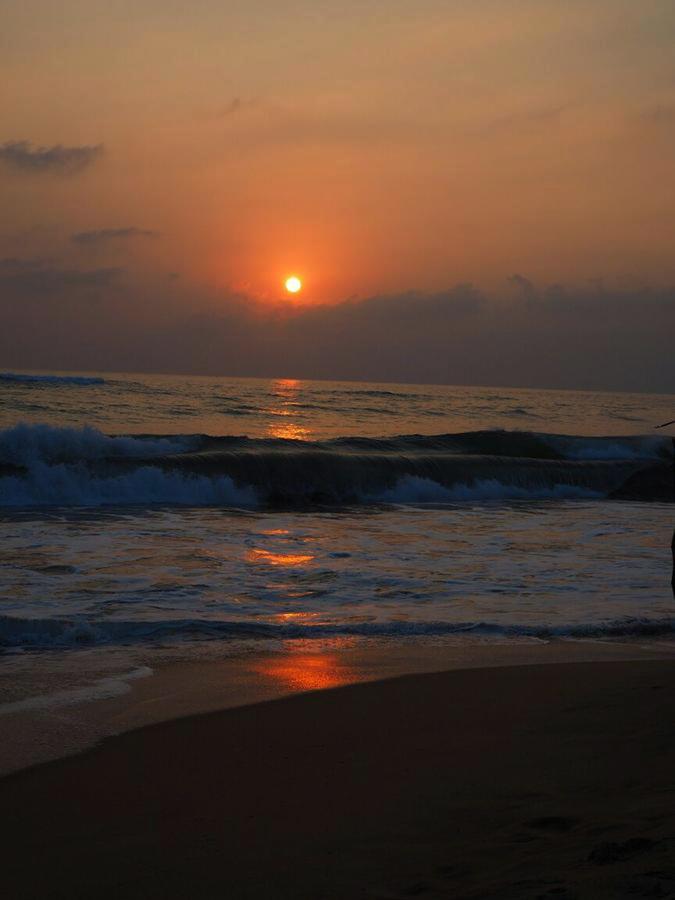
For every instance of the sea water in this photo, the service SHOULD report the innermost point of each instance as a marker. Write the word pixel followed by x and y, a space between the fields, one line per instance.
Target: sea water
pixel 156 513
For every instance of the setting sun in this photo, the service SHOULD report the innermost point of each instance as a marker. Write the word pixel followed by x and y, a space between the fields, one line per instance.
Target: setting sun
pixel 293 284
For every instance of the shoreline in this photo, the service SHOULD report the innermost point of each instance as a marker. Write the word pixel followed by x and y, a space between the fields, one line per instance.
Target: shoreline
pixel 520 781
pixel 44 728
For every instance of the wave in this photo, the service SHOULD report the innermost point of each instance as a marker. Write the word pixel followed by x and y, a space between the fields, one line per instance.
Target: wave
pixel 25 445
pixel 74 486
pixel 43 634
pixel 104 689
pixel 377 393
pixel 411 489
pixel 51 379
pixel 529 444
pixel 642 447
pixel 44 465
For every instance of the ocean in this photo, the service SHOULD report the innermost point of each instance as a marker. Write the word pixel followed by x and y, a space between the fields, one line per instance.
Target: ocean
pixel 153 517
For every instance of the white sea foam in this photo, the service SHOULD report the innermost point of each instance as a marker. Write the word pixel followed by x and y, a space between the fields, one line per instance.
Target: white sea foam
pixel 85 467
pixel 27 444
pixel 103 689
pixel 59 470
pixel 74 485
pixel 412 489
pixel 602 448
pixel 61 634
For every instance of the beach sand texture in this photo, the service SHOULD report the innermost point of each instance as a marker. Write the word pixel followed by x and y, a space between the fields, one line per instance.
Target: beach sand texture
pixel 553 781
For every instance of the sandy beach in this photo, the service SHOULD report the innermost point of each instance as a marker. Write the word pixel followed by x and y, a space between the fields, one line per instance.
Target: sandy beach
pixel 510 782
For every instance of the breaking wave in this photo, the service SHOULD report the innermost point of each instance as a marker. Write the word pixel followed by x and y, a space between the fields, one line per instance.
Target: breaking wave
pixel 643 447
pixel 62 485
pixel 44 465
pixel 43 634
pixel 25 445
pixel 411 489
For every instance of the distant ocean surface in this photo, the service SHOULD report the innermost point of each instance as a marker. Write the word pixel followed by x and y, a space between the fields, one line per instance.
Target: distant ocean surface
pixel 150 512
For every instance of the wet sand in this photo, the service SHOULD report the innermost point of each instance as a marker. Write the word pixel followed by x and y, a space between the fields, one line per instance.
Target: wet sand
pixel 553 781
pixel 73 702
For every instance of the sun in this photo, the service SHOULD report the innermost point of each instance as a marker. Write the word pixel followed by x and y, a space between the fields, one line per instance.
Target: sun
pixel 293 284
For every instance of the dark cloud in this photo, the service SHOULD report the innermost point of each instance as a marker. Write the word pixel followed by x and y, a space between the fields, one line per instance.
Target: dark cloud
pixel 523 284
pixel 103 235
pixel 525 288
pixel 409 308
pixel 33 278
pixel 588 337
pixel 592 336
pixel 22 155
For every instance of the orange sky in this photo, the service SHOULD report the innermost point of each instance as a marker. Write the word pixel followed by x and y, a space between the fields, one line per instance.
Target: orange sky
pixel 373 148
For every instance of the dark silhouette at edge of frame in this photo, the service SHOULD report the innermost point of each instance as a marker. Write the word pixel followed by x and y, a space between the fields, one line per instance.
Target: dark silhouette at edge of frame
pixel 672 543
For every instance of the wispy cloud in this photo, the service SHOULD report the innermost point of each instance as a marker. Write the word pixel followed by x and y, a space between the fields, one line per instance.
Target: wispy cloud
pixel 526 119
pixel 238 105
pixel 26 157
pixel 34 277
pixel 103 235
pixel 662 115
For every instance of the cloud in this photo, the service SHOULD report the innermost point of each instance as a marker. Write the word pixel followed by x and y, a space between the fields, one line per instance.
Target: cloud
pixel 590 337
pixel 523 285
pixel 237 105
pixel 656 122
pixel 36 277
pixel 60 160
pixel 103 235
pixel 593 336
pixel 526 119
pixel 259 122
pixel 408 308
pixel 662 114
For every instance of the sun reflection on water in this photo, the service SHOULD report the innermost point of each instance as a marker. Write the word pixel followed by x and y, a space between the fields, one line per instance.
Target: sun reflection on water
pixel 297 617
pixel 289 432
pixel 301 670
pixel 257 555
pixel 285 393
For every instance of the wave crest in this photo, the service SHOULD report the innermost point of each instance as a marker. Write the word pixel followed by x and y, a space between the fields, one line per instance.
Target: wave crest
pixel 37 634
pixel 62 485
pixel 45 465
pixel 25 445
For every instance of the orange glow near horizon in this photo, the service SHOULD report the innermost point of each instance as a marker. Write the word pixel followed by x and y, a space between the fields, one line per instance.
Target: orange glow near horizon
pixel 350 159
